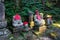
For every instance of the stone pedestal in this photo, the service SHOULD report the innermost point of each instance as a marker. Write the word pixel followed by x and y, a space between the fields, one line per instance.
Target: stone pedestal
pixel 4 32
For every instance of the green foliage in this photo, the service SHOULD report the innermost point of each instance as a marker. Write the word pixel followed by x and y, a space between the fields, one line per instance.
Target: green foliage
pixel 48 4
pixel 29 5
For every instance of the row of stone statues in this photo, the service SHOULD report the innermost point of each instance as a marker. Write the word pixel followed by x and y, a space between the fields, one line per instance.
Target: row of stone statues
pixel 18 24
pixel 38 20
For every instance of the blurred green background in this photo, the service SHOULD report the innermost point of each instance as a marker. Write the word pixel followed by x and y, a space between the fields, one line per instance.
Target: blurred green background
pixel 22 7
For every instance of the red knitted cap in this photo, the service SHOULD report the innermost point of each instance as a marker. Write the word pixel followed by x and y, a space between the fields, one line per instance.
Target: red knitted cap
pixel 24 23
pixel 37 12
pixel 17 17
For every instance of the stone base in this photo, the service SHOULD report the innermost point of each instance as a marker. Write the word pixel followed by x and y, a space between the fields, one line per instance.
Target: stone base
pixel 45 38
pixel 3 24
pixel 4 33
pixel 4 38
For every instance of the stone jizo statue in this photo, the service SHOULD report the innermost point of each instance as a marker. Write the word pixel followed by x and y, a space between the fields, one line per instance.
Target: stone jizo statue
pixel 37 17
pixel 17 22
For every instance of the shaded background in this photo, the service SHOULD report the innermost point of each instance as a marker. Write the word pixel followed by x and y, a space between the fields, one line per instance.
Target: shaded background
pixel 23 6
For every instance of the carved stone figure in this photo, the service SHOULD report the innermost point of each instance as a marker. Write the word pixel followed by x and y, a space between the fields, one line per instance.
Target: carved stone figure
pixel 17 22
pixel 26 27
pixel 31 19
pixel 49 20
pixel 37 18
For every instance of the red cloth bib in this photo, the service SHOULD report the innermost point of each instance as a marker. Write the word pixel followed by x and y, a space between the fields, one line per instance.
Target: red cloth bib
pixel 38 17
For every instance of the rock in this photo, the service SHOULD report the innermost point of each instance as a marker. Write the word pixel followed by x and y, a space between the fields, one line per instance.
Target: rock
pixel 3 24
pixel 45 38
pixel 4 33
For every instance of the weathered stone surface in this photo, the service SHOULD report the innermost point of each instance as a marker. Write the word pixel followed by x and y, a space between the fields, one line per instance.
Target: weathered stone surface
pixel 42 38
pixel 45 38
pixel 2 12
pixel 1 0
pixel 3 24
pixel 4 33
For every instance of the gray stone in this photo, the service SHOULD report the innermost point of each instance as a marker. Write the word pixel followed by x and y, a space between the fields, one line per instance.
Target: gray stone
pixel 2 12
pixel 3 22
pixel 1 0
pixel 45 38
pixel 4 34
